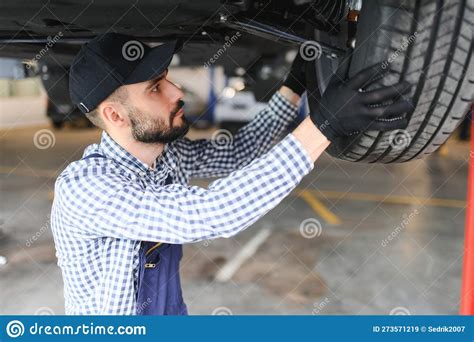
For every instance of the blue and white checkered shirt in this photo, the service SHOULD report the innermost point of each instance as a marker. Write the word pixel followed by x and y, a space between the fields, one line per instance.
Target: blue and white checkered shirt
pixel 104 207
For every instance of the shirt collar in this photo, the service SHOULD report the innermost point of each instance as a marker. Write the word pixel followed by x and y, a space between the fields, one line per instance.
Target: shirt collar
pixel 111 149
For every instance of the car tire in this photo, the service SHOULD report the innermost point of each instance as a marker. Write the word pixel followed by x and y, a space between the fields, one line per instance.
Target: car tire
pixel 429 44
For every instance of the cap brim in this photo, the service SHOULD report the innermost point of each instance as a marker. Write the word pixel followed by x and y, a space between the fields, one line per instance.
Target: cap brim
pixel 153 63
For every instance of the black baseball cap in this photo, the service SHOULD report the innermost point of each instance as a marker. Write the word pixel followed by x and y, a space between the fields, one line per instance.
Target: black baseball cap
pixel 111 60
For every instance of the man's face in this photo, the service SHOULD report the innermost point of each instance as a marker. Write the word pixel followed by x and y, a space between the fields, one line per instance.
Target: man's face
pixel 155 110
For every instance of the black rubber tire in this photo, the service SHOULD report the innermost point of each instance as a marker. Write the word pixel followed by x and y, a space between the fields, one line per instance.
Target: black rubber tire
pixel 438 62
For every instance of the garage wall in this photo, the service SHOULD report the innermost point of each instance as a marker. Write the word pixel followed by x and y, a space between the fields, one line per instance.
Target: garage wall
pixel 22 103
pixel 197 79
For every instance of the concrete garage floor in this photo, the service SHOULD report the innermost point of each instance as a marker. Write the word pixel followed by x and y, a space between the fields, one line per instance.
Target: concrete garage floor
pixel 323 250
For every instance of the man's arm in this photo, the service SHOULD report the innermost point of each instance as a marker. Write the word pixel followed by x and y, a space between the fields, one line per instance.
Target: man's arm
pixel 204 158
pixel 98 202
pixel 313 141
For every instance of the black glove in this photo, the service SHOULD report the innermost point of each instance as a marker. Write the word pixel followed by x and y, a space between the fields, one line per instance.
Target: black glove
pixel 295 80
pixel 346 109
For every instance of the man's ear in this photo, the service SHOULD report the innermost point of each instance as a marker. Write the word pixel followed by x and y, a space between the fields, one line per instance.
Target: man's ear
pixel 113 114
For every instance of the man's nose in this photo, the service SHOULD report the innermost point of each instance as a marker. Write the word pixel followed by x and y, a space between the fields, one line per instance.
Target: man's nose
pixel 177 93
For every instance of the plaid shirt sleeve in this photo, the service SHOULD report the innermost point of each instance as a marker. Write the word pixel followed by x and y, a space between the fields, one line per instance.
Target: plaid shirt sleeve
pixel 103 202
pixel 205 158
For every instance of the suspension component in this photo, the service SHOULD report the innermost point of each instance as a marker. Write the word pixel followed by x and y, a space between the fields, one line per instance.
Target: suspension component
pixel 354 7
pixel 270 32
pixel 329 12
pixel 288 21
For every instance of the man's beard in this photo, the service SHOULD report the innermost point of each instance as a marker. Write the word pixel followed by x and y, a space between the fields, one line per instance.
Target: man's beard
pixel 156 131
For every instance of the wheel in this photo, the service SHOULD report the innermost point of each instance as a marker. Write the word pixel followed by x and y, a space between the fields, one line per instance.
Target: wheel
pixel 427 43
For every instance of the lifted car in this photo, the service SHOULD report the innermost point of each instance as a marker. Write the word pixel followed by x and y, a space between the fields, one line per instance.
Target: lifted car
pixel 425 42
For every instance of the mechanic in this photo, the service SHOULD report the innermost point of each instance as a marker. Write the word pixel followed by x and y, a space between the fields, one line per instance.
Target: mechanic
pixel 121 213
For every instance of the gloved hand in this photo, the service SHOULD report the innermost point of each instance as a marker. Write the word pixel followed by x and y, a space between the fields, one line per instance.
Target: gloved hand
pixel 346 109
pixel 296 80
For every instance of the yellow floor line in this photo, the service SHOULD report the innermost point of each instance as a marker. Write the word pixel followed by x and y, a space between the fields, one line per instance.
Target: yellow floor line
pixel 392 199
pixel 319 207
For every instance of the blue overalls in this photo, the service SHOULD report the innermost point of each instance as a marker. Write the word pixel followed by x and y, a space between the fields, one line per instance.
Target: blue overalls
pixel 158 284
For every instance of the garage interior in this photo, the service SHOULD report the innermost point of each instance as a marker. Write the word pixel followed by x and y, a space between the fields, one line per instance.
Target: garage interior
pixel 384 238
pixel 367 234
